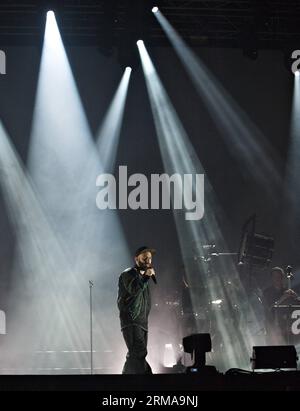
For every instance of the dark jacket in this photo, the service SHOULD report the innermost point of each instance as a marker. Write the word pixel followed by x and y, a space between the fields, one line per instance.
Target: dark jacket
pixel 134 300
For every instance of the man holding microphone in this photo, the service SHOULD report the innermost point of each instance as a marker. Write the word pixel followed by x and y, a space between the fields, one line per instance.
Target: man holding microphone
pixel 134 303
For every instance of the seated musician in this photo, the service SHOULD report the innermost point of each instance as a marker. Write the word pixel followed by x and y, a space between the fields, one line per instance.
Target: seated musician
pixel 276 323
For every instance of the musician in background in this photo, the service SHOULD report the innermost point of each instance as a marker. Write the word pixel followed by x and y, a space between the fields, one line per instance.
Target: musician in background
pixel 276 323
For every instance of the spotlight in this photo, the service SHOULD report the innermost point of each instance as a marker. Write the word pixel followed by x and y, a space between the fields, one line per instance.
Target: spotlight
pixel 169 356
pixel 128 69
pixel 154 9
pixel 297 73
pixel 50 14
pixel 217 302
pixel 139 42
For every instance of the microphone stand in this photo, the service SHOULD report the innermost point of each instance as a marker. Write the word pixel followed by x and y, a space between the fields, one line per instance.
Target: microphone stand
pixel 289 275
pixel 91 323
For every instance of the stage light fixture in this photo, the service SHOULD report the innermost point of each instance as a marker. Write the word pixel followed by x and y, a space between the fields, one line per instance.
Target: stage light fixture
pixel 198 345
pixel 154 9
pixel 297 73
pixel 50 13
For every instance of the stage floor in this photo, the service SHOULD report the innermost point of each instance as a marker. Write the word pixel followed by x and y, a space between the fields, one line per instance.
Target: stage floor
pixel 231 381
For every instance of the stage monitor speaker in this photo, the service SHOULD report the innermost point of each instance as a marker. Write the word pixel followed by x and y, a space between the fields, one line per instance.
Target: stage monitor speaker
pixel 274 357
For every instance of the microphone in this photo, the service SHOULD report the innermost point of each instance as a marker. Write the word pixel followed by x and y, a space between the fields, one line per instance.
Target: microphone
pixel 289 275
pixel 289 270
pixel 153 276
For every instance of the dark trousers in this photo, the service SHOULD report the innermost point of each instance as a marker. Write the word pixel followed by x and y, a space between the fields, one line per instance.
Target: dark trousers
pixel 136 340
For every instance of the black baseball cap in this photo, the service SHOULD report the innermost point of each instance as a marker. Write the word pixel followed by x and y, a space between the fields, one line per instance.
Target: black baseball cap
pixel 144 249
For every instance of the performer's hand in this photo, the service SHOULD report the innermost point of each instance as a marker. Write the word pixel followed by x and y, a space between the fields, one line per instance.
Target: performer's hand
pixel 149 272
pixel 290 293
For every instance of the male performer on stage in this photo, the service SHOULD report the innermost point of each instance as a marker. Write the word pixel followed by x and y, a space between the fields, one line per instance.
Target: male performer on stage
pixel 134 304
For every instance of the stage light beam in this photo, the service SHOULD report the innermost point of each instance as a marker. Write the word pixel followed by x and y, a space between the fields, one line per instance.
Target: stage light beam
pixel 180 157
pixel 291 216
pixel 109 132
pixel 244 140
pixel 64 163
pixel 39 266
